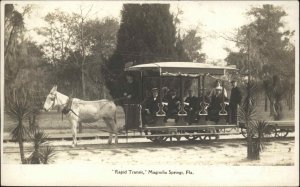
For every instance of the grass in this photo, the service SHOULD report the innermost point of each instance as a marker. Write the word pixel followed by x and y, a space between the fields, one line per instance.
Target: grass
pixel 53 121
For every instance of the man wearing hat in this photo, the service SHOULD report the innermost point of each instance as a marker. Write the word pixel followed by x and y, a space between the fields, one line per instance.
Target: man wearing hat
pixel 173 104
pixel 234 101
pixel 151 106
pixel 193 106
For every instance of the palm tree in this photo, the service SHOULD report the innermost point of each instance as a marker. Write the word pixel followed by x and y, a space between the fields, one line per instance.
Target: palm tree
pixel 247 113
pixel 18 108
pixel 255 129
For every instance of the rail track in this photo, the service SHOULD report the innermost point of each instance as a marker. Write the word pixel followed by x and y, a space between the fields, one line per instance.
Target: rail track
pixel 142 144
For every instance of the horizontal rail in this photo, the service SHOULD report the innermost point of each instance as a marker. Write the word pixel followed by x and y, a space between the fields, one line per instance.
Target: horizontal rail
pixel 189 127
pixel 189 134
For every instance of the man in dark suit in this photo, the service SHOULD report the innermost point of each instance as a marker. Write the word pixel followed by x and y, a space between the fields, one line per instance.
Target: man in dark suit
pixel 130 90
pixel 192 107
pixel 173 105
pixel 235 100
pixel 151 107
pixel 130 103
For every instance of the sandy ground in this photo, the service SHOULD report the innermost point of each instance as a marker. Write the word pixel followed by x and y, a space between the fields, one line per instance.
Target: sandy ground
pixel 139 151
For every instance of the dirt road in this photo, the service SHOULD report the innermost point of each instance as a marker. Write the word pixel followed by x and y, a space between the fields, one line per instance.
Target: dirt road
pixel 279 152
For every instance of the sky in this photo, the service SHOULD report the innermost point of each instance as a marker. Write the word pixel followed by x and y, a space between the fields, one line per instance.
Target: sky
pixel 211 18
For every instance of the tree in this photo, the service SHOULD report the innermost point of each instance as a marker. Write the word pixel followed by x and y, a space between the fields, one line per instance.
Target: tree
pixel 192 44
pixel 18 108
pixel 266 46
pixel 77 46
pixel 23 58
pixel 147 34
pixel 13 30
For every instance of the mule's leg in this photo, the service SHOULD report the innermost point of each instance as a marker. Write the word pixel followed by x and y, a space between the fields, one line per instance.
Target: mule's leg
pixel 110 138
pixel 74 132
pixel 114 129
pixel 109 123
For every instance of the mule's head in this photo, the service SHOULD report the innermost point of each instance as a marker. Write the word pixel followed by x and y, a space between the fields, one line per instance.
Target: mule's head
pixel 51 99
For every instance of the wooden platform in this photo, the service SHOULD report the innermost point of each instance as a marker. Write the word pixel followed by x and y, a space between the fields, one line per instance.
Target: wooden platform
pixel 189 127
pixel 284 124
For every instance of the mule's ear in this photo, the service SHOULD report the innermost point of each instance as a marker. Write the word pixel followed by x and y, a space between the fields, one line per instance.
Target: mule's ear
pixel 54 88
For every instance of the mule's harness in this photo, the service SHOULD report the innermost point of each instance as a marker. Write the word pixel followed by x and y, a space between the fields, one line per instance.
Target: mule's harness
pixel 68 108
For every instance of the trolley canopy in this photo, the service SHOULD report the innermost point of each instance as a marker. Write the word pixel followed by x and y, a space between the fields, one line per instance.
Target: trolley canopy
pixel 181 68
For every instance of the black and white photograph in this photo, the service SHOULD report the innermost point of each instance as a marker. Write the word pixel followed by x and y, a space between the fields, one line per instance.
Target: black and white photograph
pixel 149 93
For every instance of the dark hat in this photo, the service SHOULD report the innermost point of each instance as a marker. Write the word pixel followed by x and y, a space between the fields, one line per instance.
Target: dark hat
pixel 232 81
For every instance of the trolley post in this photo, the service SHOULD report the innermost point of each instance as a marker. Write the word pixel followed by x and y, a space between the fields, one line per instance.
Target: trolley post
pixel 203 111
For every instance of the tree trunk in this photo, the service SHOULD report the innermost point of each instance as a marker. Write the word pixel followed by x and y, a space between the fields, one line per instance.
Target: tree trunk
pixel 290 101
pixel 32 121
pixel 21 146
pixel 80 128
pixel 23 160
pixel 271 108
pixel 253 149
pixel 266 103
pixel 278 107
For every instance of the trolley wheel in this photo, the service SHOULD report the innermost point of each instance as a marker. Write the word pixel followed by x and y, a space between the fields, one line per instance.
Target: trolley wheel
pixel 244 132
pixel 282 133
pixel 191 138
pixel 159 139
pixel 270 131
pixel 178 138
pixel 205 137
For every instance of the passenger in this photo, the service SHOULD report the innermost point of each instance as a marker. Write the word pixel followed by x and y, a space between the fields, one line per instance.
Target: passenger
pixel 235 100
pixel 151 107
pixel 173 105
pixel 131 91
pixel 215 104
pixel 216 88
pixel 131 106
pixel 192 108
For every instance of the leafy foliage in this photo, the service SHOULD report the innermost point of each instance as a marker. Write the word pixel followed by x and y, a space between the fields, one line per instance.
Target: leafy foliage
pixel 147 34
pixel 41 154
pixel 265 44
pixel 77 48
pixel 192 44
pixel 247 109
pixel 18 108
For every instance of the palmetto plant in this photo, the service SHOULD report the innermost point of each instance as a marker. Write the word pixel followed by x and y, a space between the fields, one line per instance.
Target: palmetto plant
pixel 258 131
pixel 42 153
pixel 18 108
pixel 247 110
pixel 254 128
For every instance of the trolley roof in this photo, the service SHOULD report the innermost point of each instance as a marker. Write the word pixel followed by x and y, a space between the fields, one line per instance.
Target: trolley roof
pixel 181 68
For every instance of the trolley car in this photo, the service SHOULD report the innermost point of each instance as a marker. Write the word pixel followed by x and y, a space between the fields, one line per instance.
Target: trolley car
pixel 162 129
